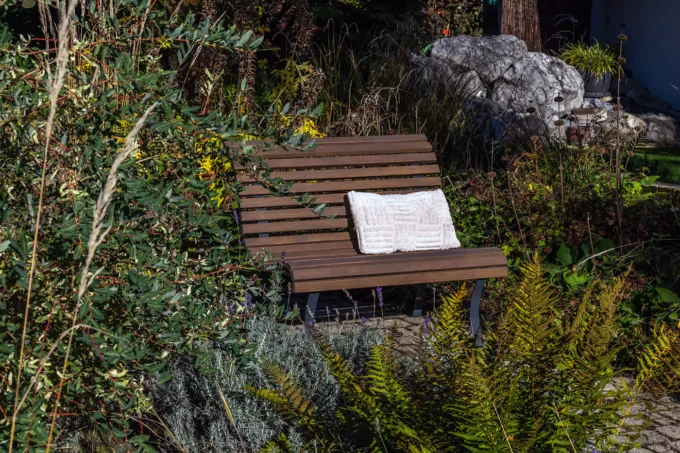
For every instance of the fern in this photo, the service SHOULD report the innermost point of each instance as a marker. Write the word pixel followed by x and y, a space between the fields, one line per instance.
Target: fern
pixel 289 399
pixel 541 383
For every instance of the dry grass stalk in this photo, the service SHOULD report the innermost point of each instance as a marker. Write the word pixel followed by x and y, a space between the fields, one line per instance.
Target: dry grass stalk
pixel 97 236
pixel 57 84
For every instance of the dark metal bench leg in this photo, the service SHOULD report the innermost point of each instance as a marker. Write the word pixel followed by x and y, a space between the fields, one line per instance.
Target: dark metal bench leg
pixel 418 303
pixel 310 310
pixel 474 312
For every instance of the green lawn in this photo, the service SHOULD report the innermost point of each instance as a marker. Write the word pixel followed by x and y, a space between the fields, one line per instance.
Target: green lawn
pixel 664 162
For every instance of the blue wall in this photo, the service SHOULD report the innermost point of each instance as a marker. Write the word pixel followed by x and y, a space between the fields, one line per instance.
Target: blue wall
pixel 653 46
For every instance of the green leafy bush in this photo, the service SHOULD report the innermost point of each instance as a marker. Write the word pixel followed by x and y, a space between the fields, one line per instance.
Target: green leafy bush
pixel 136 259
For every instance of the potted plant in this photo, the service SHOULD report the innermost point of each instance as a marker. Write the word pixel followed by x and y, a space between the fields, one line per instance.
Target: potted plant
pixel 596 64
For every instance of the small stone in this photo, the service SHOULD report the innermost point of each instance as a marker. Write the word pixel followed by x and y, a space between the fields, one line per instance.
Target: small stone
pixel 637 408
pixel 660 420
pixel 672 432
pixel 639 450
pixel 657 448
pixel 633 421
pixel 652 437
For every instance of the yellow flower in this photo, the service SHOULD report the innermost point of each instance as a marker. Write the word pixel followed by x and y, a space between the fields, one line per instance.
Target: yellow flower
pixel 309 127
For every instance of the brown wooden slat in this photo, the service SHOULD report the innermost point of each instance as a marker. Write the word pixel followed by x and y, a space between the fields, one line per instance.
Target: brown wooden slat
pixel 312 286
pixel 347 140
pixel 290 214
pixel 296 225
pixel 348 173
pixel 348 161
pixel 251 243
pixel 317 246
pixel 306 254
pixel 346 186
pixel 357 149
pixel 278 202
pixel 494 254
pixel 398 265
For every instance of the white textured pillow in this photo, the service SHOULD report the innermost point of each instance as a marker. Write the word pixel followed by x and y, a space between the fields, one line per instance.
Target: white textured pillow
pixel 402 223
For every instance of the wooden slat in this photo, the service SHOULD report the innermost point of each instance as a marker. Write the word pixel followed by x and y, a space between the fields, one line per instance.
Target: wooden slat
pixel 398 265
pixel 290 214
pixel 296 225
pixel 346 186
pixel 317 246
pixel 493 253
pixel 348 173
pixel 281 152
pixel 348 140
pixel 348 161
pixel 308 254
pixel 279 202
pixel 255 243
pixel 413 278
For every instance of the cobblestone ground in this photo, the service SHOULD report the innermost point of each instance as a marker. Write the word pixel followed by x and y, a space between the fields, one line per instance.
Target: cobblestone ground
pixel 660 423
pixel 655 421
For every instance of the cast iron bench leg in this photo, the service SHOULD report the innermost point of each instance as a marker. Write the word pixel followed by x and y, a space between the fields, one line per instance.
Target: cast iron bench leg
pixel 474 312
pixel 418 303
pixel 310 310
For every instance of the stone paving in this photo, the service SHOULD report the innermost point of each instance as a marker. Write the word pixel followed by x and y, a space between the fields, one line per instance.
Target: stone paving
pixel 660 424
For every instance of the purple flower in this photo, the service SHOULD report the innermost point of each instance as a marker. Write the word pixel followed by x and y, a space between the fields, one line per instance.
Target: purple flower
pixel 364 321
pixel 349 296
pixel 231 309
pixel 283 255
pixel 380 295
pixel 235 216
pixel 426 327
pixel 249 301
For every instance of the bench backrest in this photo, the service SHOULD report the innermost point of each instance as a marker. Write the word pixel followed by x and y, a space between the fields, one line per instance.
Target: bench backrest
pixel 392 163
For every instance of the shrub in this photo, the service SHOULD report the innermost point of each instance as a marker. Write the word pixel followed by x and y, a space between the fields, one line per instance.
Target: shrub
pixel 119 229
pixel 211 409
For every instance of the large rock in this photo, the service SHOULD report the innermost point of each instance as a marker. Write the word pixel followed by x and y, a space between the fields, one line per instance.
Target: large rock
pixel 535 81
pixel 488 56
pixel 630 127
pixel 437 74
pixel 498 124
pixel 661 129
pixel 647 100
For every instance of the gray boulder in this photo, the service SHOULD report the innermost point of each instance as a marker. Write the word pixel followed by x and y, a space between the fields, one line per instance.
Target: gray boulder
pixel 498 124
pixel 631 127
pixel 436 73
pixel 488 56
pixel 627 84
pixel 535 81
pixel 645 99
pixel 661 129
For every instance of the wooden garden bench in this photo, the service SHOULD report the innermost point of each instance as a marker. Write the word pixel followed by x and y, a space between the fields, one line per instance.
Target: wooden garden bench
pixel 321 253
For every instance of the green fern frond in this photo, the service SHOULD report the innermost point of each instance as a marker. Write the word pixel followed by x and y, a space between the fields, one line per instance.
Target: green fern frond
pixel 659 363
pixel 289 399
pixel 278 445
pixel 449 332
pixel 532 320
